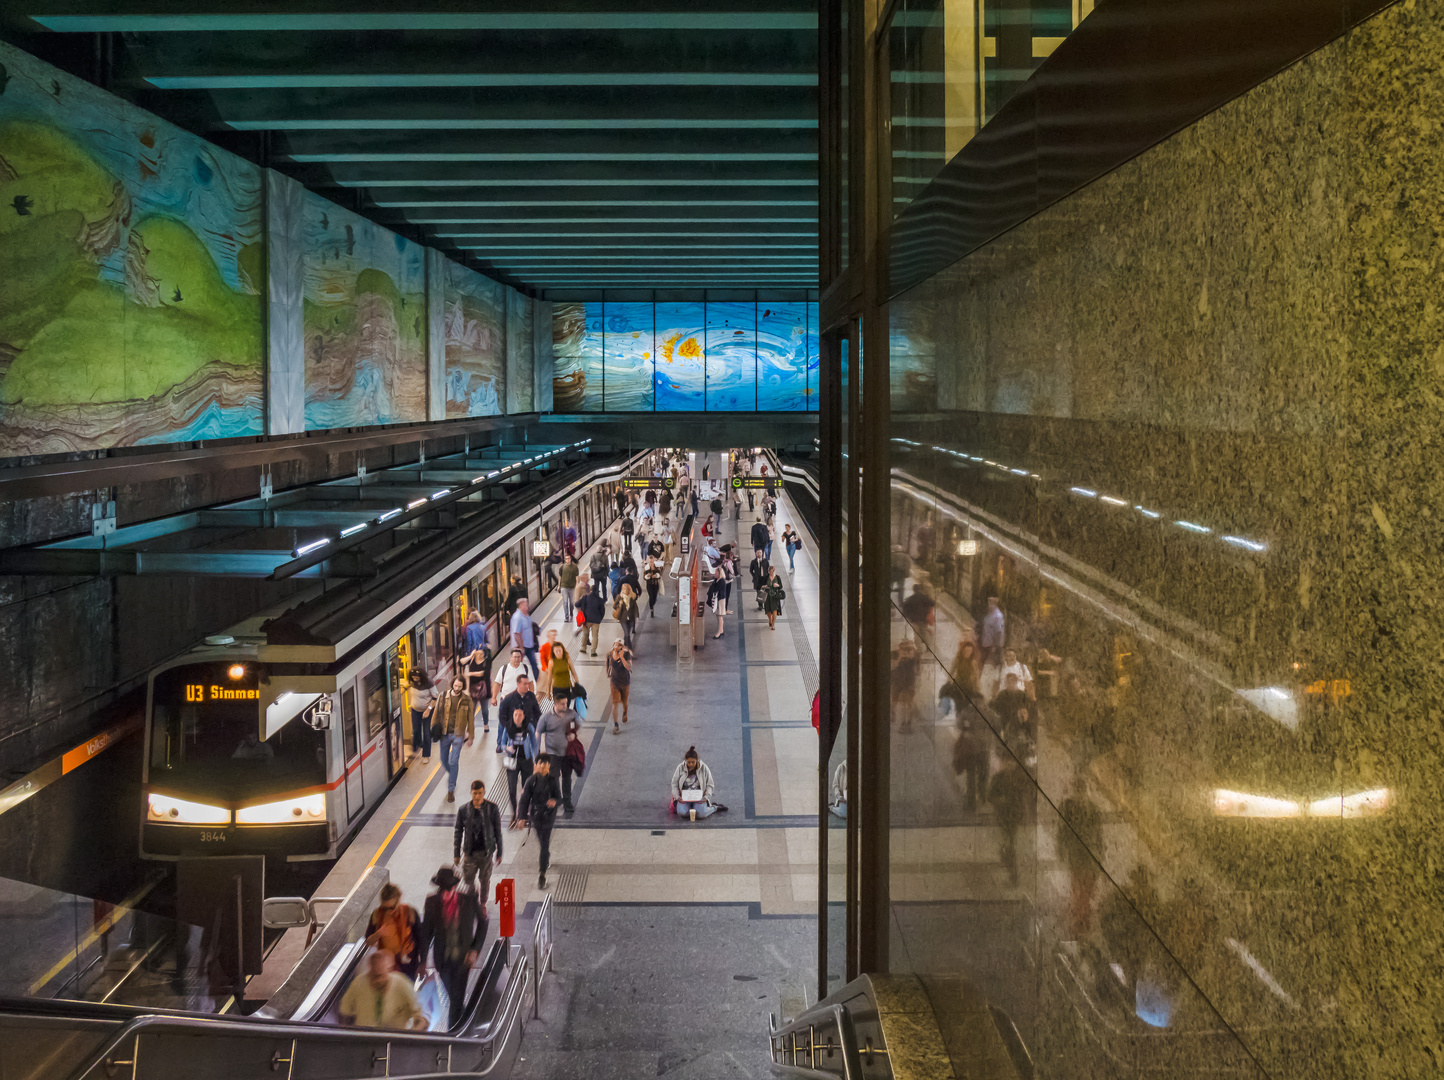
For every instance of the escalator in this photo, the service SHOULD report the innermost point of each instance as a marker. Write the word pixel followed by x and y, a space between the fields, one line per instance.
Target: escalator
pixel 297 1033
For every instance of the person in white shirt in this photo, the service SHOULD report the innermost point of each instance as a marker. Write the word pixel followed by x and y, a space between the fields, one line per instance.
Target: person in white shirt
pixel 1012 666
pixel 382 997
pixel 514 669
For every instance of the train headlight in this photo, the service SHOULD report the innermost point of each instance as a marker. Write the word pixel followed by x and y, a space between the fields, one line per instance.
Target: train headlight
pixel 165 808
pixel 302 809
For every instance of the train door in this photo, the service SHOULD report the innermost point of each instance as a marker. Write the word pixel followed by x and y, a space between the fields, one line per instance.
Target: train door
pixel 351 752
pixel 396 708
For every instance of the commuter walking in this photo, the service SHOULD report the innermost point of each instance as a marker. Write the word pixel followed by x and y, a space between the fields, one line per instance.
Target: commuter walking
pixel 555 734
pixel 614 576
pixel 627 612
pixel 540 799
pixel 761 572
pixel 652 574
pixel 773 595
pixel 382 997
pixel 664 506
pixel 1012 795
pixel 736 504
pixel 904 684
pixel 599 567
pixel 453 722
pixel 722 584
pixel 394 928
pixel 476 844
pixel 567 578
pixel 629 529
pixel 990 639
pixel 512 672
pixel 758 535
pixel 970 761
pixel 453 929
pixel 420 699
pixel 717 508
pixel 518 753
pixel 619 674
pixel 584 586
pixel 593 609
pixel 476 665
pixel 523 631
pixel 563 674
pixel 792 542
pixel 693 788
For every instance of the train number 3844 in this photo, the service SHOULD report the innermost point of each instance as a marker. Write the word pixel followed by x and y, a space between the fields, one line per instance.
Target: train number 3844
pixel 213 836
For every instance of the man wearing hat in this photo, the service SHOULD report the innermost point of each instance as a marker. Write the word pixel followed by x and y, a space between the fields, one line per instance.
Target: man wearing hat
pixel 453 927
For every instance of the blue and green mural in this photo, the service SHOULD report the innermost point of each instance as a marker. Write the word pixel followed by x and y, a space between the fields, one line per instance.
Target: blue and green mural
pixel 723 356
pixel 130 310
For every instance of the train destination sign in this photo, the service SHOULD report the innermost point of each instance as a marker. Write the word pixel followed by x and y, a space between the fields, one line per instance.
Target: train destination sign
pixel 200 692
pixel 767 482
pixel 648 482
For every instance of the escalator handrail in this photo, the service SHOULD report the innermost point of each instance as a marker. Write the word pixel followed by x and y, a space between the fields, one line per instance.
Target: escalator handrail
pixel 133 1022
pixel 510 1013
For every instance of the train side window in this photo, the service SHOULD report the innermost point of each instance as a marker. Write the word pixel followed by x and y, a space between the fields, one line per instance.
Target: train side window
pixel 374 685
pixel 349 736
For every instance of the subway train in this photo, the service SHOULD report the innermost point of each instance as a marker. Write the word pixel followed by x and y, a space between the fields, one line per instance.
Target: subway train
pixel 277 737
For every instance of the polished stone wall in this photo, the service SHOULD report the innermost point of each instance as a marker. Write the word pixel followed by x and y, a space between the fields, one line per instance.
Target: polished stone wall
pixel 1190 417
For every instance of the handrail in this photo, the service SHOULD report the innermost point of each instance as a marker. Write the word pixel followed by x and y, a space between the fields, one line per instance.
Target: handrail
pixel 787 1046
pixel 104 1057
pixel 541 960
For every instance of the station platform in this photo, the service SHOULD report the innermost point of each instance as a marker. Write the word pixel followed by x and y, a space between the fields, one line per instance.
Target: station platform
pixel 654 913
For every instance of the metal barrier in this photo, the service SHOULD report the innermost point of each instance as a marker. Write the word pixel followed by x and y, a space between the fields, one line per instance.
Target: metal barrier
pixel 542 940
pixel 819 1043
pixel 158 1046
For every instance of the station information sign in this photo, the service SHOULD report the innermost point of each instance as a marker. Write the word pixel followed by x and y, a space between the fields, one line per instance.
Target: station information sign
pixel 648 482
pixel 541 549
pixel 768 483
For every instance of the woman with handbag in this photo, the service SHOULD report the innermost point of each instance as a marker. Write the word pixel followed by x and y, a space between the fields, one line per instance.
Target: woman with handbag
pixel 518 751
pixel 652 573
pixel 627 613
pixel 561 673
pixel 772 597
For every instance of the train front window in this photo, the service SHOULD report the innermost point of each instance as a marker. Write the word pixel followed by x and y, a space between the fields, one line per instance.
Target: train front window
pixel 205 737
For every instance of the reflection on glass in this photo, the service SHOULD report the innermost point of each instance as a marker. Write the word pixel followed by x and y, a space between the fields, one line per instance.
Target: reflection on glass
pixel 955 64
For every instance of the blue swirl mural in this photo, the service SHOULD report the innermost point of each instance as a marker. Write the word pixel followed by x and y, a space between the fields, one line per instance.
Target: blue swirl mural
pixel 723 356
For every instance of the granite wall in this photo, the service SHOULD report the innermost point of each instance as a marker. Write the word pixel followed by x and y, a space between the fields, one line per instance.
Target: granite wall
pixel 1185 430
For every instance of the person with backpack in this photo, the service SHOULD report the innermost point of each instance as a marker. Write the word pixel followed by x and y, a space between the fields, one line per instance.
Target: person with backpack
pixel 629 529
pixel 567 579
pixel 593 610
pixel 394 928
pixel 759 535
pixel 540 799
pixel 476 843
pixel 614 576
pixel 600 566
pixel 772 597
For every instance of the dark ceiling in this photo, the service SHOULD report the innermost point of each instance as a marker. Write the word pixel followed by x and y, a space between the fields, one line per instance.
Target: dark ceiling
pixel 556 145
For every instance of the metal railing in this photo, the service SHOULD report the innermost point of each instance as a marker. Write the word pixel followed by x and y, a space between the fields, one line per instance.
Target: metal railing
pixel 166 1046
pixel 542 940
pixel 819 1043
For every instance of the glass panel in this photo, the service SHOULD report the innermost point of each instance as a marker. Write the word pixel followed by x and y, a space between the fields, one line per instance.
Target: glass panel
pixel 629 357
pixel 782 356
pixel 577 336
pixel 731 347
pixel 681 346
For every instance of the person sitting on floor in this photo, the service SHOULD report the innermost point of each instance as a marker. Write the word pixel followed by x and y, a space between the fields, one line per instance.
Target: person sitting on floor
pixel 692 788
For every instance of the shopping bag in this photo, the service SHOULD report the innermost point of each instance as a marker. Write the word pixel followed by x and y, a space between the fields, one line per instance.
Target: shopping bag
pixel 580 704
pixel 432 997
pixel 581 619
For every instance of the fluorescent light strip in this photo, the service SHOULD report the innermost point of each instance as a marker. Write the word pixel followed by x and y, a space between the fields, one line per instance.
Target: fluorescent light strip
pixel 531 182
pixel 505 156
pixel 1244 542
pixel 1087 493
pixel 592 220
pixel 637 247
pixel 627 234
pixel 415 503
pixel 306 549
pixel 609 123
pixel 467 20
pixel 1111 501
pixel 354 529
pixel 1193 527
pixel 1152 515
pixel 377 81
